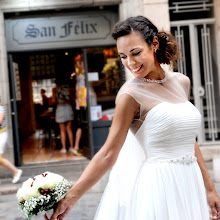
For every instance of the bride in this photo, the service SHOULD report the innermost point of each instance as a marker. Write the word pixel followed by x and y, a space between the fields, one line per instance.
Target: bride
pixel 158 170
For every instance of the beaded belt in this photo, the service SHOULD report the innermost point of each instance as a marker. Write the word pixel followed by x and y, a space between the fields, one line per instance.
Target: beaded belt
pixel 187 159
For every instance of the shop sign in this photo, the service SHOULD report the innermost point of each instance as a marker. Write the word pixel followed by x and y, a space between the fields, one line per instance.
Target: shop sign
pixel 62 31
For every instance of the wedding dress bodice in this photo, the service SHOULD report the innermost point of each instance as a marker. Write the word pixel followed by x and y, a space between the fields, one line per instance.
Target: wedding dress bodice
pixel 169 131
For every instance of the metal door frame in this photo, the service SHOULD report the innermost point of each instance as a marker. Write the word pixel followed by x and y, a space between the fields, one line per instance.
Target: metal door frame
pixel 196 65
pixel 14 113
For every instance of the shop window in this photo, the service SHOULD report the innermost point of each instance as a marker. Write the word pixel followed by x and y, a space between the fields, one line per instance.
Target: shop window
pixel 104 81
pixel 42 65
pixel 38 85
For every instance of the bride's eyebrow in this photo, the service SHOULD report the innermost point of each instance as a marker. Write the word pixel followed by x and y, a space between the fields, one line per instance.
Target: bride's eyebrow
pixel 129 51
pixel 134 49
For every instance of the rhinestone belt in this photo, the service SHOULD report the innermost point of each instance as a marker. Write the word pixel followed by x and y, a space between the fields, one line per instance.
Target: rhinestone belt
pixel 187 159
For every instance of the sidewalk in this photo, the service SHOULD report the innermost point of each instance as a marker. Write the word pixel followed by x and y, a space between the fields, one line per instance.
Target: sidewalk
pixel 84 209
pixel 70 170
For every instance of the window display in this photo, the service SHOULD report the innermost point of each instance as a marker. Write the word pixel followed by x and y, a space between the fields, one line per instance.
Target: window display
pixel 104 63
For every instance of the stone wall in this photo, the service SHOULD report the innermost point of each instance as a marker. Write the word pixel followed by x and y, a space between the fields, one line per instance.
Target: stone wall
pixel 4 92
pixel 217 17
pixel 33 5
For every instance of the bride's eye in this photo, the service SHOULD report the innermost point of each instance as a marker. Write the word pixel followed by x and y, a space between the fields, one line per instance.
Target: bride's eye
pixel 135 54
pixel 122 57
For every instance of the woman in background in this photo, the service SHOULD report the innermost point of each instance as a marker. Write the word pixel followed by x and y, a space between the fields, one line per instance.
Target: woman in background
pixel 3 140
pixel 64 114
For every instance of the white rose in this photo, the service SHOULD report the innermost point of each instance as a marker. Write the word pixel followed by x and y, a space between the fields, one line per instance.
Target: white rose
pixel 24 189
pixel 27 194
pixel 27 183
pixel 20 194
pixel 27 191
pixel 47 180
pixel 33 192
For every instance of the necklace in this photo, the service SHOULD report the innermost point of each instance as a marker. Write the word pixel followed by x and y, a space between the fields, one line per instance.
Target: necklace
pixel 155 80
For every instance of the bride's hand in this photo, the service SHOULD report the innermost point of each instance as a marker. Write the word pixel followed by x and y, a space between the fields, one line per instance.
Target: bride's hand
pixel 62 209
pixel 214 204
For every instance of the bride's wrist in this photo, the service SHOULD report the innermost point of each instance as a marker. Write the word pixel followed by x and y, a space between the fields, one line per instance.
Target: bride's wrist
pixel 72 196
pixel 211 189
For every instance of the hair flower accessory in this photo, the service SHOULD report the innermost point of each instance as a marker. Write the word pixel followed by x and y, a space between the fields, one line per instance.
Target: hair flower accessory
pixel 41 193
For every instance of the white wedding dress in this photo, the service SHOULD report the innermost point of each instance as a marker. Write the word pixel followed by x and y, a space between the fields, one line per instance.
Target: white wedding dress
pixel 156 176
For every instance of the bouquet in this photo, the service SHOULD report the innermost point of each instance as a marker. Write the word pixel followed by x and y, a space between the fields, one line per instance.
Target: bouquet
pixel 41 193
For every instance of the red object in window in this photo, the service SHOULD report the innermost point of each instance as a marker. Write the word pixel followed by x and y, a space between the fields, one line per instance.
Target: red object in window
pixel 104 118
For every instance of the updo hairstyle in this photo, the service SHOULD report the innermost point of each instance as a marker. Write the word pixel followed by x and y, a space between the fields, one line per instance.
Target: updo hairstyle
pixel 168 49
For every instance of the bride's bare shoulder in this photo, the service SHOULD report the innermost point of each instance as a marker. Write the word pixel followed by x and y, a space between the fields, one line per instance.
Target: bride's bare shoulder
pixel 181 78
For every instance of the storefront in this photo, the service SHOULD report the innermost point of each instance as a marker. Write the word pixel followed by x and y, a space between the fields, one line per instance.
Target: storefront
pixel 77 49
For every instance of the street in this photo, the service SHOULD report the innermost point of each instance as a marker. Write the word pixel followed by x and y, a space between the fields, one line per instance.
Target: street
pixel 83 210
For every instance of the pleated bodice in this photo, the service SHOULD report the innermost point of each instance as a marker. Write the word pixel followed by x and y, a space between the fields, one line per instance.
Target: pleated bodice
pixel 169 131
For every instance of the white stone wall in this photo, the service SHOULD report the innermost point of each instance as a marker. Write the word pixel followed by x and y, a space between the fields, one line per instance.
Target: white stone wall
pixel 217 17
pixel 33 5
pixel 129 8
pixel 4 92
pixel 158 12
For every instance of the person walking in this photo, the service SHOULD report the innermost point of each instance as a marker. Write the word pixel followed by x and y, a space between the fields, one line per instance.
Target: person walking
pixel 3 140
pixel 158 170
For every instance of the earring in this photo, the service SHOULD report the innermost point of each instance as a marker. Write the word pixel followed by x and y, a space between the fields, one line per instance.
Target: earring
pixel 155 50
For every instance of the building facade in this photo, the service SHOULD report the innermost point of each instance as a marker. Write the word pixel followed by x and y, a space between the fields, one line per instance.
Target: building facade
pixel 82 29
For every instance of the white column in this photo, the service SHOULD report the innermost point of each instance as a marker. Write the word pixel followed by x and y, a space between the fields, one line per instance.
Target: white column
pixel 4 91
pixel 158 12
pixel 217 17
pixel 130 8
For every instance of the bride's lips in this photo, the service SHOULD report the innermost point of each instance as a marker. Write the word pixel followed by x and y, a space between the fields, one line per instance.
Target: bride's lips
pixel 137 69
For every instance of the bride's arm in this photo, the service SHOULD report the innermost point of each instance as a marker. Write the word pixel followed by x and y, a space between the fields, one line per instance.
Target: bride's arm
pixel 212 196
pixel 105 158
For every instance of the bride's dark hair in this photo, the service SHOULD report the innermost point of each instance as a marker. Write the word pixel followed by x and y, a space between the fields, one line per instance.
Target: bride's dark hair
pixel 168 49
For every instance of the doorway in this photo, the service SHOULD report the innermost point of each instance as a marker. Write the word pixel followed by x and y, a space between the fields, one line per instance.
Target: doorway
pixel 38 73
pixel 197 40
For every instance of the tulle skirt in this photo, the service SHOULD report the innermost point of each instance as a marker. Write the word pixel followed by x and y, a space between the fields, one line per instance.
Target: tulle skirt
pixel 161 191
